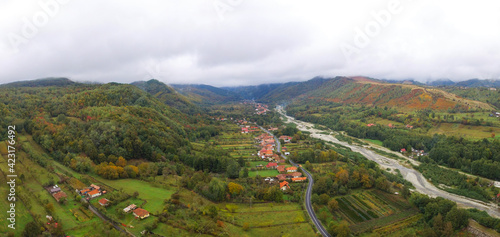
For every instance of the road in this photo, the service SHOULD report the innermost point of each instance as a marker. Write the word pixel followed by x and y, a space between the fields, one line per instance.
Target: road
pixel 309 208
pixel 97 213
pixel 416 178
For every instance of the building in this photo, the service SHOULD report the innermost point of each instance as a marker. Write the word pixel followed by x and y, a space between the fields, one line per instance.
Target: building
pixel 284 185
pixel 301 179
pixel 129 208
pixel 59 195
pixel 291 169
pixel 296 174
pixel 271 165
pixel 141 213
pixel 94 193
pixel 84 191
pixel 281 168
pixel 54 189
pixel 95 187
pixel 103 202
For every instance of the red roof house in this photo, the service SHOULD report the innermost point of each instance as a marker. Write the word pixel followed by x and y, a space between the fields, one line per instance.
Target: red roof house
pixel 281 168
pixel 141 213
pixel 291 169
pixel 271 165
pixel 284 185
pixel 103 202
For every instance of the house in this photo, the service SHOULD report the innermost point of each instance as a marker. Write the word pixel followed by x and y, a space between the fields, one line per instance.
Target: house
pixel 259 166
pixel 141 213
pixel 286 139
pixel 284 185
pixel 287 153
pixel 391 126
pixel 95 187
pixel 409 126
pixel 301 179
pixel 281 168
pixel 370 125
pixel 59 195
pixel 291 169
pixel 129 208
pixel 281 177
pixel 94 193
pixel 244 130
pixel 84 191
pixel 271 165
pixel 283 149
pixel 103 202
pixel 55 189
pixel 296 174
pixel 403 150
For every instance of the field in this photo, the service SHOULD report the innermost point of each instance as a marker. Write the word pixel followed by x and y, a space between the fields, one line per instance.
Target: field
pixel 263 173
pixel 376 142
pixel 238 144
pixel 371 209
pixel 69 215
pixel 267 219
pixel 466 131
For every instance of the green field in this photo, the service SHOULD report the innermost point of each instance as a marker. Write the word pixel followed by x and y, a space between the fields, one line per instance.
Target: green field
pixel 376 142
pixel 263 173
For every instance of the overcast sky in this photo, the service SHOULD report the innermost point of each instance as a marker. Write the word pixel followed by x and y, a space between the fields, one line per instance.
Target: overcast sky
pixel 248 42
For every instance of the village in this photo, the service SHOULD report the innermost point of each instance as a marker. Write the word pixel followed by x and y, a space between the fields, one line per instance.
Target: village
pixel 268 152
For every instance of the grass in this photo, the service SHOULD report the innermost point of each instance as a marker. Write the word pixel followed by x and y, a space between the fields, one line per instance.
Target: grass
pixel 147 191
pixel 466 131
pixel 263 173
pixel 376 142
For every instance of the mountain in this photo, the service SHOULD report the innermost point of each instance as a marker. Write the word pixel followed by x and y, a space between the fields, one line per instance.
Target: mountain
pixel 256 92
pixel 479 83
pixel 43 82
pixel 371 92
pixel 167 95
pixel 441 82
pixel 205 94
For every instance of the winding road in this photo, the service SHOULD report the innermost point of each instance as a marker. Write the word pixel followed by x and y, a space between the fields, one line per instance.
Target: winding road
pixel 309 208
pixel 416 178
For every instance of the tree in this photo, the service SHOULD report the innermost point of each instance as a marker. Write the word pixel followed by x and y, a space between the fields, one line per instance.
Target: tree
pixel 333 205
pixel 459 218
pixel 121 162
pixel 342 176
pixel 246 226
pixel 323 199
pixel 366 181
pixel 233 169
pixel 340 230
pixel 308 166
pixel 32 229
pixel 234 188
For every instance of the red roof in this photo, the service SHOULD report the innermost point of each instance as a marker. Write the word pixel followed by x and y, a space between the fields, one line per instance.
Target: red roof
pixel 281 177
pixel 296 174
pixel 299 179
pixel 271 164
pixel 284 183
pixel 59 195
pixel 141 212
pixel 403 150
pixel 370 124
pixel 281 168
pixel 103 201
pixel 93 192
pixel 291 168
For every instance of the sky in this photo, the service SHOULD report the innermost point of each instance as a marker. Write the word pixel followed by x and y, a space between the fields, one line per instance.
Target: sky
pixel 248 42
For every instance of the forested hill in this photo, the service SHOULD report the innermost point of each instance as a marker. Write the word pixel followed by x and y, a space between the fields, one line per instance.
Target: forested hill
pixel 257 92
pixel 206 95
pixel 366 91
pixel 167 95
pixel 43 82
pixel 99 121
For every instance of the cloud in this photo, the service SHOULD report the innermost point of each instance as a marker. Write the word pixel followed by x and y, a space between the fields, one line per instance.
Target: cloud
pixel 242 42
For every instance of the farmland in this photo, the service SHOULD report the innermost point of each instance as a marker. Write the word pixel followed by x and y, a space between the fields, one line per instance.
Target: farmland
pixel 374 210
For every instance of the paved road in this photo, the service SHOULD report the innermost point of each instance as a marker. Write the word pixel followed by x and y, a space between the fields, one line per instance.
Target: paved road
pixel 309 208
pixel 415 177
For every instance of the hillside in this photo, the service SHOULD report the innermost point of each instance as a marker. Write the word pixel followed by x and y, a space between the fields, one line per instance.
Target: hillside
pixel 43 82
pixel 167 95
pixel 97 121
pixel 370 92
pixel 259 91
pixel 205 94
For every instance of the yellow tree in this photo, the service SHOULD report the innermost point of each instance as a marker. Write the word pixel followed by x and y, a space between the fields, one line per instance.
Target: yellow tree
pixel 342 176
pixel 234 188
